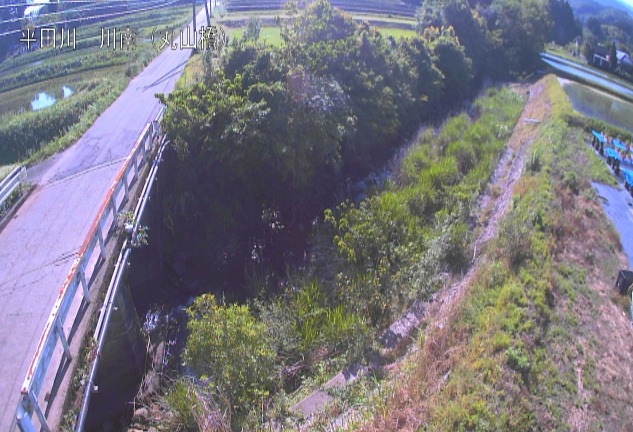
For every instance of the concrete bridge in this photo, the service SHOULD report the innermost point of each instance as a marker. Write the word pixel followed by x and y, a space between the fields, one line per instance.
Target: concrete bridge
pixel 52 248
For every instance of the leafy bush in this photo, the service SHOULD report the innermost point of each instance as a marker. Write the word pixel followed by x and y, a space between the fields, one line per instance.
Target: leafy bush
pixel 230 348
pixel 514 241
pixel 533 163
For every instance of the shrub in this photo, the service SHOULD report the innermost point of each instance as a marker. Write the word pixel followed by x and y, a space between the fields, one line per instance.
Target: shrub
pixel 570 181
pixel 533 163
pixel 514 241
pixel 230 348
pixel 518 360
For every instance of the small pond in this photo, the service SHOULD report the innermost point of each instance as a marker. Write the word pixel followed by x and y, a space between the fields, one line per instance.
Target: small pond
pixel 44 99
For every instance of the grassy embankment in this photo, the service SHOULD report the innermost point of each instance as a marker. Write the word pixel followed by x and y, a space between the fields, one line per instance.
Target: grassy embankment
pixel 540 340
pixel 96 75
pixel 235 24
pixel 564 52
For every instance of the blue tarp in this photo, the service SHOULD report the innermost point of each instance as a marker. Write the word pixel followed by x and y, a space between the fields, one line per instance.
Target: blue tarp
pixel 612 153
pixel 619 145
pixel 599 136
pixel 628 176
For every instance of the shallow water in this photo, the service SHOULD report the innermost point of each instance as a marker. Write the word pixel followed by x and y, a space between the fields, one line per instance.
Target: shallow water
pixel 67 91
pixel 35 9
pixel 590 75
pixel 598 104
pixel 44 100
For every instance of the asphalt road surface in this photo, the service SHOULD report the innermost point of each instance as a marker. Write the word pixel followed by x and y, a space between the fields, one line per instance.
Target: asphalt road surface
pixel 618 206
pixel 39 244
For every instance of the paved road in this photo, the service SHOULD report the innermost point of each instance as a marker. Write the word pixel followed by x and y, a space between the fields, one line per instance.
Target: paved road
pixel 618 206
pixel 39 244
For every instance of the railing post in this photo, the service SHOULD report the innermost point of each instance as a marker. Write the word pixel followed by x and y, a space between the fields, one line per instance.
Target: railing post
pixel 143 152
pixel 125 183
pixel 135 164
pixel 62 337
pixel 24 419
pixel 81 272
pixel 40 414
pixel 102 251
pixel 113 207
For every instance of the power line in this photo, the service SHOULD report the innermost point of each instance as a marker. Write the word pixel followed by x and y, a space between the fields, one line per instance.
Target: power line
pixel 93 17
pixel 27 4
pixel 70 11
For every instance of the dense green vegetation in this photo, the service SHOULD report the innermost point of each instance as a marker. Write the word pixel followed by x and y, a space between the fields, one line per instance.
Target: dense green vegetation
pixel 609 24
pixel 501 37
pixel 370 262
pixel 266 138
pixel 603 27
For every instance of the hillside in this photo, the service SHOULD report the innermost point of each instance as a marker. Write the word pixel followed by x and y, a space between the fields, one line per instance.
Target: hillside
pixel 588 8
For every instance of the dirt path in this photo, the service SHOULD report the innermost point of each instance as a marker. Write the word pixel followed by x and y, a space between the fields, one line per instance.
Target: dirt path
pixel 490 209
pixel 504 178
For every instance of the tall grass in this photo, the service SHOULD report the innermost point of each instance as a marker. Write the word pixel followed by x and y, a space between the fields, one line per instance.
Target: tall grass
pixel 508 358
pixel 396 246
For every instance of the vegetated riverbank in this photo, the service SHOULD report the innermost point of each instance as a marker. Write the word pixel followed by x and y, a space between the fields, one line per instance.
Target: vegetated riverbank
pixel 391 248
pixel 540 339
pixel 262 144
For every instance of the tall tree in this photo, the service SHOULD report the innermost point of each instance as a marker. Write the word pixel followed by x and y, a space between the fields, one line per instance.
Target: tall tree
pixel 613 57
pixel 565 27
pixel 587 51
pixel 521 29
pixel 451 60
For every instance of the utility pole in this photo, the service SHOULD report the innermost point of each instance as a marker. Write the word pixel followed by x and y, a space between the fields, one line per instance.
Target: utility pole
pixel 206 9
pixel 194 18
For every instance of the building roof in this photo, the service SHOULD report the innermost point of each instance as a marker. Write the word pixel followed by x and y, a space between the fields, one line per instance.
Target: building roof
pixel 623 57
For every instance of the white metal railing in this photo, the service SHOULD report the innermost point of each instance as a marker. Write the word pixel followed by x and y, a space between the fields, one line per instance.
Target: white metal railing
pixel 103 323
pixel 83 270
pixel 9 184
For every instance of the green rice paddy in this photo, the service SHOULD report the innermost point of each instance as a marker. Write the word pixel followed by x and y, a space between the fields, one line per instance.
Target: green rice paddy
pixel 598 104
